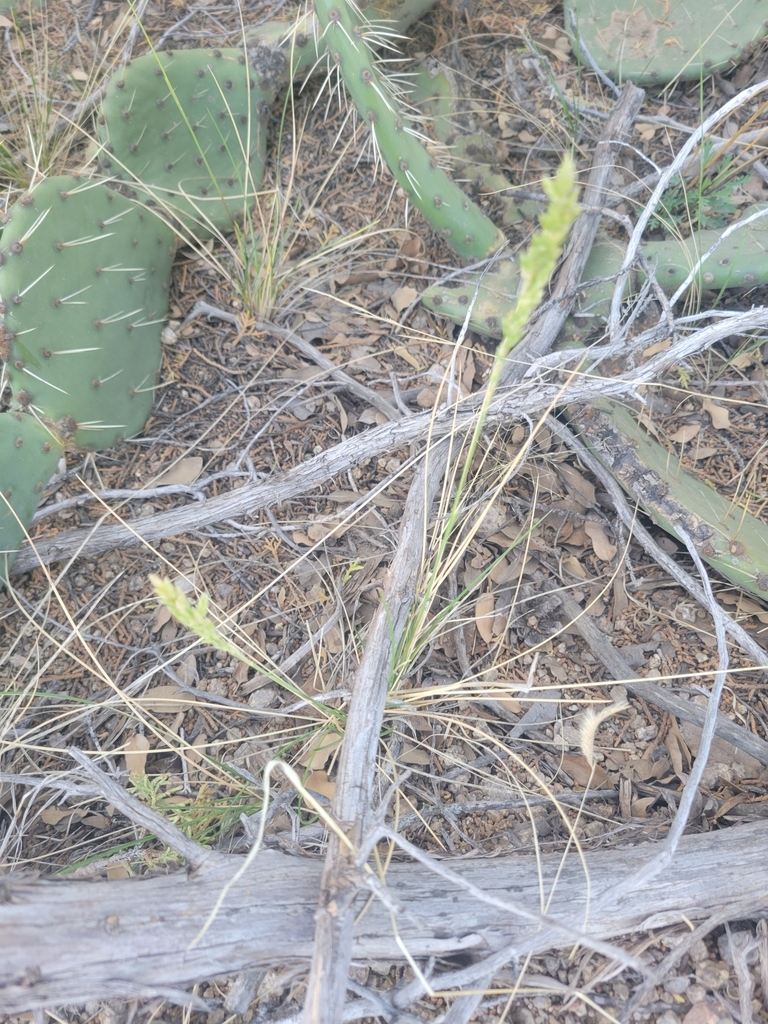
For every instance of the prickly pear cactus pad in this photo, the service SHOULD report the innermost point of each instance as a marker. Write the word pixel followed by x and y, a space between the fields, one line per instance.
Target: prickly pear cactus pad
pixel 726 536
pixel 188 129
pixel 450 212
pixel 650 41
pixel 28 456
pixel 84 277
pixel 738 261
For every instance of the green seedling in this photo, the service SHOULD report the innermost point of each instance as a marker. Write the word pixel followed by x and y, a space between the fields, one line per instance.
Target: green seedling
pixel 187 130
pixel 726 536
pixel 658 41
pixel 449 211
pixel 84 278
pixel 29 453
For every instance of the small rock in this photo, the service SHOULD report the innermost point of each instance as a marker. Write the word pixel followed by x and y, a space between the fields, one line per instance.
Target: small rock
pixel 696 993
pixel 703 1013
pixel 668 1017
pixel 677 985
pixel 698 951
pixel 713 974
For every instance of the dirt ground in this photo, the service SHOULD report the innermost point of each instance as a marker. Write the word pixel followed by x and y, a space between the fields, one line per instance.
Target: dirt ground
pixel 90 659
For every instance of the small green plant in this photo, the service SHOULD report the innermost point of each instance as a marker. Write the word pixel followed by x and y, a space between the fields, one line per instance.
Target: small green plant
pixel 709 201
pixel 203 816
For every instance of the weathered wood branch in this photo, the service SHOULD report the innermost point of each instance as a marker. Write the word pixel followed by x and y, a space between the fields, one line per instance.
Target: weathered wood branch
pixel 70 941
pixel 249 500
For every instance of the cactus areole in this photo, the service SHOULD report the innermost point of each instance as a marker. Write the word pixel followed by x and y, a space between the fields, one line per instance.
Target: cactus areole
pixel 451 213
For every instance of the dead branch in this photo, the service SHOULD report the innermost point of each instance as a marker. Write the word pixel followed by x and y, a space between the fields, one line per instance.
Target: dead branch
pixel 354 805
pixel 71 941
pixel 526 399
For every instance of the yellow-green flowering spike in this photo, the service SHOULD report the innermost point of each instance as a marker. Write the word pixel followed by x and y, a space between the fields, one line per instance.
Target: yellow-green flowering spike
pixel 539 260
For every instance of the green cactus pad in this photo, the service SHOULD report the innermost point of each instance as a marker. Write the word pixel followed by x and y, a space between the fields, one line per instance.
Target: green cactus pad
pixel 737 262
pixel 654 42
pixel 726 536
pixel 450 212
pixel 188 129
pixel 84 277
pixel 29 453
pixel 486 297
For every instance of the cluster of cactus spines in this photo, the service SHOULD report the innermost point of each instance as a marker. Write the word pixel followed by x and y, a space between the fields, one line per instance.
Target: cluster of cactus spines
pixel 84 279
pixel 187 129
pixel 651 45
pixel 450 212
pixel 727 537
pixel 280 52
pixel 29 453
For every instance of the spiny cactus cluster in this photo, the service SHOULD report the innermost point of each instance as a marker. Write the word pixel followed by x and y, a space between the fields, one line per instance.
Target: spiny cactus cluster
pixel 85 263
pixel 84 279
pixel 450 212
pixel 187 129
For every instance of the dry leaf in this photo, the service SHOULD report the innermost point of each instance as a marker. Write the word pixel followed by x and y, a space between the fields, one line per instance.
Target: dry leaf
pixel 574 567
pixel 360 358
pixel 194 754
pixel 602 546
pixel 411 754
pixel 319 782
pixel 484 616
pixel 117 872
pixel 677 751
pixel 53 815
pixel 582 774
pixel 186 670
pixel 703 453
pixel 408 356
pixel 165 698
pixel 659 346
pixel 185 471
pixel 403 297
pixel 318 749
pixel 718 414
pixel 685 433
pixel 135 751
pixel 578 484
pixel 640 807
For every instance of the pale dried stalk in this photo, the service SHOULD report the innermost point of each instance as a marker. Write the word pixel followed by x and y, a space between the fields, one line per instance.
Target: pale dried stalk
pixel 354 801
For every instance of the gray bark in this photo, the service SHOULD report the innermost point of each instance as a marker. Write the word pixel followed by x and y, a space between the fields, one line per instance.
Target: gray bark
pixel 71 941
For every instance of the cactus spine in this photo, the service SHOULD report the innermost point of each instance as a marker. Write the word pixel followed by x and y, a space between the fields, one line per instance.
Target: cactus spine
pixel 450 212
